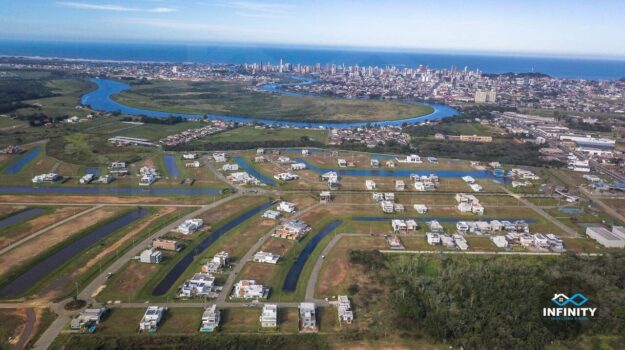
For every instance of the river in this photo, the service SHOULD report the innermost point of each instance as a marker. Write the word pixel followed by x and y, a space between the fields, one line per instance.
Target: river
pixel 100 99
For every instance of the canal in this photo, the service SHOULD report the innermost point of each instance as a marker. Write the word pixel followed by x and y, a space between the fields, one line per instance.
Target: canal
pixel 173 275
pixel 20 217
pixel 22 161
pixel 290 283
pixel 22 283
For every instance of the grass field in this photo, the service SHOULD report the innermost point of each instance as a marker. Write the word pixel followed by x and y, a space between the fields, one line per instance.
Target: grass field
pixel 249 133
pixel 237 99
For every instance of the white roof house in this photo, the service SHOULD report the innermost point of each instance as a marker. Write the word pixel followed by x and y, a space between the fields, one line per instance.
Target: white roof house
pixel 468 179
pixel 217 263
pixel 200 284
pixel 189 226
pixel 230 167
pixel 286 177
pixel 266 257
pixel 435 226
pixel 151 256
pixel 286 207
pixel 399 225
pixel 433 238
pixel 87 318
pixel 50 177
pixel 220 157
pixel 307 317
pixel 400 185
pixel 147 180
pixel 189 156
pixel 298 166
pixel 476 187
pixel 387 207
pixel 210 319
pixel 421 208
pixel 151 319
pixel 248 289
pixel 330 176
pixel 272 214
pixel 413 158
pixel 87 178
pixel 499 241
pixel 284 159
pixel 269 316
pixel 370 185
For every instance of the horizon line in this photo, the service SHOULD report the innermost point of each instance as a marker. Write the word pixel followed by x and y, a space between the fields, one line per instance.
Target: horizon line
pixel 523 54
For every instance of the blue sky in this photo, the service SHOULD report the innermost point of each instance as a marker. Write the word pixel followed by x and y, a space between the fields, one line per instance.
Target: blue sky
pixel 549 27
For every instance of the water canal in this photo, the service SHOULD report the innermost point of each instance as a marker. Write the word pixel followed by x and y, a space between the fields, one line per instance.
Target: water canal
pixel 22 283
pixel 290 283
pixel 173 275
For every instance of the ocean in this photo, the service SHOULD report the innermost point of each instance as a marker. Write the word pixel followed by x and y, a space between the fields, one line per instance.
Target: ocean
pixel 592 69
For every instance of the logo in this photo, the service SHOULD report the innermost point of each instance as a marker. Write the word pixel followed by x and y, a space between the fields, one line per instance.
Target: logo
pixel 569 308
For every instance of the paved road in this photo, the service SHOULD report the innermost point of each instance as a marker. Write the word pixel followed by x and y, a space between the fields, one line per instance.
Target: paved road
pixel 57 326
pixel 321 303
pixel 42 231
pixel 542 213
pixel 29 326
pixel 82 204
pixel 314 275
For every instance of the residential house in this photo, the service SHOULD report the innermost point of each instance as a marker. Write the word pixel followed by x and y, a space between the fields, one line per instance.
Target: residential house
pixel 189 226
pixel 189 156
pixel 374 163
pixel 220 157
pixel 388 207
pixel 325 197
pixel 230 167
pixel 248 289
pixel 269 316
pixel 151 319
pixel 307 317
pixel 370 185
pixel 88 318
pixel 342 163
pixel 400 185
pixel 421 208
pixel 217 263
pixel 293 229
pixel 284 160
pixel 200 285
pixel 87 178
pixel 298 166
pixel 433 238
pixel 151 256
pixel 210 319
pixel 435 226
pixel 499 241
pixel 167 244
pixel 286 207
pixel 266 257
pixel 272 214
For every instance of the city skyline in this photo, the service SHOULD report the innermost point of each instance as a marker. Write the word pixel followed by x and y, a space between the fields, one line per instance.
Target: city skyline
pixel 532 28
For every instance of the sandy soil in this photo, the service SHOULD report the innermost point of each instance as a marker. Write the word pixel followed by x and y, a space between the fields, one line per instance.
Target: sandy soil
pixel 6 210
pixel 95 199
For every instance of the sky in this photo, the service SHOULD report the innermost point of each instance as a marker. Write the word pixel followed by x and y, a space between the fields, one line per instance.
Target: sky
pixel 544 27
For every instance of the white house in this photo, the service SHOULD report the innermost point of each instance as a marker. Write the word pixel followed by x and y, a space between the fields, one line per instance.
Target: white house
pixel 476 187
pixel 286 207
pixel 269 316
pixel 189 156
pixel 87 178
pixel 370 185
pixel 413 158
pixel 220 157
pixel 266 257
pixel 307 317
pixel 216 264
pixel 200 285
pixel 50 177
pixel 194 164
pixel 151 256
pixel 500 241
pixel 374 163
pixel 248 289
pixel 387 207
pixel 189 226
pixel 433 238
pixel 400 185
pixel 230 167
pixel 468 179
pixel 87 318
pixel 284 159
pixel 330 176
pixel 614 239
pixel 147 180
pixel 399 225
pixel 342 163
pixel 151 319
pixel 298 166
pixel 286 177
pixel 210 319
pixel 272 214
pixel 421 208
pixel 435 226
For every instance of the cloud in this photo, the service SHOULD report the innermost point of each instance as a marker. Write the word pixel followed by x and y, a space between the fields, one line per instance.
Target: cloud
pixel 112 7
pixel 257 9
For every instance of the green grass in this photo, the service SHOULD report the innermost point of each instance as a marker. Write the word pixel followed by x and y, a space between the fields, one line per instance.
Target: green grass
pixel 236 98
pixel 154 132
pixel 249 133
